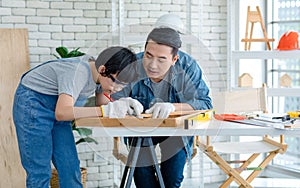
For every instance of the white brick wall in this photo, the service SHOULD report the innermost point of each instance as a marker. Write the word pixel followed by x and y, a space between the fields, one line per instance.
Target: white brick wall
pixel 87 24
pixel 8 3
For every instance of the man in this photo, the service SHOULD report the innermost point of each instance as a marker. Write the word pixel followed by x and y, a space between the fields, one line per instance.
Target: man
pixel 166 84
pixel 47 100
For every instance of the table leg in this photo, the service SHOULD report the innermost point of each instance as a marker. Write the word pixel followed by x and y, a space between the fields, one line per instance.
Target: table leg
pixel 154 158
pixel 132 161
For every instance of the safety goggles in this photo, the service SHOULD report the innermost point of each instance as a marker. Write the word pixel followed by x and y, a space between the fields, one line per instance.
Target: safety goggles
pixel 118 85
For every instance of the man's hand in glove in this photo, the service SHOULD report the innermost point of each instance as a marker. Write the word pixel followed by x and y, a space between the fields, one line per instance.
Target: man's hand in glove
pixel 120 108
pixel 161 110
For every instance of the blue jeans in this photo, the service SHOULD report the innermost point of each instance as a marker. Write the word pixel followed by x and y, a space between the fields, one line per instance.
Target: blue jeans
pixel 173 160
pixel 41 139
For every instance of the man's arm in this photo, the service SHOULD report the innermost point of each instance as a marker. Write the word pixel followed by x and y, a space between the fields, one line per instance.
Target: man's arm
pixel 195 92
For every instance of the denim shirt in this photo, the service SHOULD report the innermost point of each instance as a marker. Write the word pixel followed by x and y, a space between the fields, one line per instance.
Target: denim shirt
pixel 187 86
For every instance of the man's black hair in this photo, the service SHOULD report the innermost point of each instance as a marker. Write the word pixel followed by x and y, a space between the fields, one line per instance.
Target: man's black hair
pixel 166 36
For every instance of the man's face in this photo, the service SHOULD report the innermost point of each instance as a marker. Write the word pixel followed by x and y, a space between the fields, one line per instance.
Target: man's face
pixel 157 60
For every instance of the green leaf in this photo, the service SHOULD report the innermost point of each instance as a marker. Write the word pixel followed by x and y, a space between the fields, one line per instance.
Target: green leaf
pixel 91 101
pixel 86 139
pixel 84 131
pixel 62 51
pixel 80 53
pixel 75 53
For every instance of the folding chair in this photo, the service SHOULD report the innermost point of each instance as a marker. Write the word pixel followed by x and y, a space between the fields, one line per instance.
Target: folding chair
pixel 246 100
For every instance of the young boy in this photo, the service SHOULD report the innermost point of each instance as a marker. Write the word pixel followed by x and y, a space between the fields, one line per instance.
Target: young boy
pixel 50 96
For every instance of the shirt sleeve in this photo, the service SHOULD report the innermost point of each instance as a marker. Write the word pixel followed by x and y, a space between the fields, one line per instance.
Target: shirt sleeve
pixel 98 89
pixel 73 81
pixel 194 91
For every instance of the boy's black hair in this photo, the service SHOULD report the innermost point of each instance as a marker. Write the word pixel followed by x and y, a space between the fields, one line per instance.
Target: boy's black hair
pixel 117 59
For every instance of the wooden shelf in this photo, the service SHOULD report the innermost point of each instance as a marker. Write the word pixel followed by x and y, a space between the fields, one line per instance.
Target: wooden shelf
pixel 284 92
pixel 278 92
pixel 274 54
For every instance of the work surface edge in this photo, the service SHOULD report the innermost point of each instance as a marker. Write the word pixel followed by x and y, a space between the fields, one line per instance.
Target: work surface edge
pixel 207 128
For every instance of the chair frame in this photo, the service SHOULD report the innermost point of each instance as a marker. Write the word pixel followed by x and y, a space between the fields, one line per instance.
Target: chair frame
pixel 234 174
pixel 116 150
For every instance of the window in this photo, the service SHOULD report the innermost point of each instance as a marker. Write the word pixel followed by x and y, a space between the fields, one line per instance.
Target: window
pixel 284 15
pixel 269 66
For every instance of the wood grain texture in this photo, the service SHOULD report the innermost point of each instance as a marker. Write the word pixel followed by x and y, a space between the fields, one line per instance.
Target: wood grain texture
pixel 14 60
pixel 176 119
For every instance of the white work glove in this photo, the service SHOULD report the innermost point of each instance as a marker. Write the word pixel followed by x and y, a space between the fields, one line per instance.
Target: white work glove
pixel 120 108
pixel 161 110
pixel 134 107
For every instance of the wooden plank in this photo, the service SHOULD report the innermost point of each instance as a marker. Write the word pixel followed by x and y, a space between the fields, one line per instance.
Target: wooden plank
pixel 175 119
pixel 177 113
pixel 14 60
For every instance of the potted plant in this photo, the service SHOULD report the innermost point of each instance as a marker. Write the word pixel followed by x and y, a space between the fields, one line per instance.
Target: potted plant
pixel 64 52
pixel 84 133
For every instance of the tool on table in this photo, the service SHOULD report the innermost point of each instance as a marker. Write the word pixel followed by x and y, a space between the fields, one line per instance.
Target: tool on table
pixel 204 116
pixel 263 122
pixel 284 119
pixel 274 117
pixel 229 117
pixel 294 114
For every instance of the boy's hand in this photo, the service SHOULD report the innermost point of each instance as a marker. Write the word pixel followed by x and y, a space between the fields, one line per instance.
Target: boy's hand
pixel 120 108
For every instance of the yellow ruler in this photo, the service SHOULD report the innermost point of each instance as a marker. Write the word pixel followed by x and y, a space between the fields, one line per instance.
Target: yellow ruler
pixel 205 116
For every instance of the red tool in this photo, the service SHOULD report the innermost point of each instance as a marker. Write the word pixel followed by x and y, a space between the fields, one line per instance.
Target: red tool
pixel 229 117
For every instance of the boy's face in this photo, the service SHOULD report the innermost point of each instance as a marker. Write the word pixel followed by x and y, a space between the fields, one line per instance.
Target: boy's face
pixel 157 60
pixel 110 84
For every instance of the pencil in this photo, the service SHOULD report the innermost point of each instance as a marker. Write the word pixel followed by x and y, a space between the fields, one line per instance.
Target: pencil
pixel 108 97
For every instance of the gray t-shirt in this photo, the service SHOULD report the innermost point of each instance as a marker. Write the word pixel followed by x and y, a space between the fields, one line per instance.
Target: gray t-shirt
pixel 70 76
pixel 161 89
